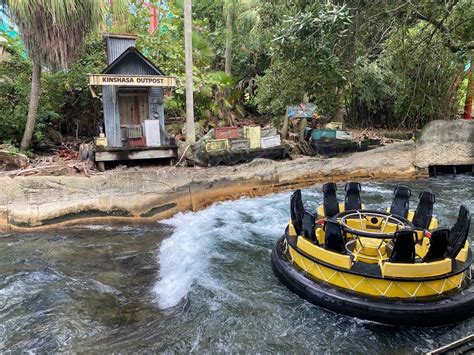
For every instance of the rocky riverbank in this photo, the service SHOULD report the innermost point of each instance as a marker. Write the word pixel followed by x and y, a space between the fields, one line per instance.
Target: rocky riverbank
pixel 150 195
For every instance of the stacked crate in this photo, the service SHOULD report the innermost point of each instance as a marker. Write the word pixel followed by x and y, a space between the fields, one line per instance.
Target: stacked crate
pixel 216 145
pixel 229 138
pixel 252 133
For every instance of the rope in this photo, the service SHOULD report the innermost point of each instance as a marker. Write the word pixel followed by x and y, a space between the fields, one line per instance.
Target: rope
pixel 182 156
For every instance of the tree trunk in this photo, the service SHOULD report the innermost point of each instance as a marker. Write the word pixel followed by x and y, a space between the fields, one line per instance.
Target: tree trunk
pixel 228 42
pixel 469 93
pixel 284 130
pixel 33 107
pixel 188 49
pixel 303 125
pixel 339 114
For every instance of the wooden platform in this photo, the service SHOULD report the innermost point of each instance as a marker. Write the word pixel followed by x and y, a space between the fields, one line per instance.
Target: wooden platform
pixel 137 153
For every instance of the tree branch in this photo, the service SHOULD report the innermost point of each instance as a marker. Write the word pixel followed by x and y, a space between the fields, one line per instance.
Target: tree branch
pixel 439 25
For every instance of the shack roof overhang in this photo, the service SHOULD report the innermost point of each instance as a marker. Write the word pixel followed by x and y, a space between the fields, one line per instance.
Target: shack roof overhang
pixel 109 77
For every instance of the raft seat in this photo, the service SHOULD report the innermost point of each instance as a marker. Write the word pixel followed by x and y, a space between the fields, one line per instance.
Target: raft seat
pixel 324 255
pixel 438 245
pixel 334 238
pixel 433 223
pixel 330 202
pixel 352 200
pixel 424 210
pixel 426 243
pixel 302 221
pixel 403 247
pixel 401 201
pixel 459 232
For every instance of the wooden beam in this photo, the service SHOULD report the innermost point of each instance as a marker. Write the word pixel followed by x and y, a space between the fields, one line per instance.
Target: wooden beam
pixel 135 154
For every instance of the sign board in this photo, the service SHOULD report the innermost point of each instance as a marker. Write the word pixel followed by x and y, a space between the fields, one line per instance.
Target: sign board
pixel 301 111
pixel 132 80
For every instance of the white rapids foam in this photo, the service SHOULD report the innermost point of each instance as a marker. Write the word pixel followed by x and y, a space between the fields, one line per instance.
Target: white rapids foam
pixel 184 258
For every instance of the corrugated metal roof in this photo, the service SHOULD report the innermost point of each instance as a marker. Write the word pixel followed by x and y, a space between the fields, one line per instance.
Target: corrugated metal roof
pixel 116 46
pixel 132 62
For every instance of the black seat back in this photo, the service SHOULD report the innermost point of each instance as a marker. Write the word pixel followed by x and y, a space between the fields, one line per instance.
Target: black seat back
pixel 459 232
pixel 352 200
pixel 303 221
pixel 334 237
pixel 401 201
pixel 438 245
pixel 330 202
pixel 297 211
pixel 309 224
pixel 460 222
pixel 424 211
pixel 403 247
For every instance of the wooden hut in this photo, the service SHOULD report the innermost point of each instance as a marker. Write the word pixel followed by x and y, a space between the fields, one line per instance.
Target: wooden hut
pixel 132 97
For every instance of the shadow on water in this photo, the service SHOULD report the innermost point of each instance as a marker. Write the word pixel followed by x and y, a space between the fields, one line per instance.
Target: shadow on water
pixel 197 282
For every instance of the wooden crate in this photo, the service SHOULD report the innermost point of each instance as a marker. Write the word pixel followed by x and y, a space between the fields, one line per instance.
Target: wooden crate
pixel 226 132
pixel 137 142
pixel 318 134
pixel 334 125
pixel 239 144
pixel 269 142
pixel 268 132
pixel 253 134
pixel 216 145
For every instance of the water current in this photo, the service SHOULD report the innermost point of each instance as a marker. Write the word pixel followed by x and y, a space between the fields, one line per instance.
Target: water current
pixel 198 282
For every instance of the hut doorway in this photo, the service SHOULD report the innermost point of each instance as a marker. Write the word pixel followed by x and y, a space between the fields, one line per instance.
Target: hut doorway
pixel 133 106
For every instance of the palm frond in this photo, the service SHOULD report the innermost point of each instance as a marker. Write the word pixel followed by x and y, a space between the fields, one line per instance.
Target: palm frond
pixel 53 30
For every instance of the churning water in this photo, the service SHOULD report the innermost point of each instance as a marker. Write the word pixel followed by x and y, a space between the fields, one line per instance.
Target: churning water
pixel 197 282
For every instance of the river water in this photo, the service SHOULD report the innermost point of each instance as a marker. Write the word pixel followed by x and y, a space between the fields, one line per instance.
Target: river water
pixel 198 282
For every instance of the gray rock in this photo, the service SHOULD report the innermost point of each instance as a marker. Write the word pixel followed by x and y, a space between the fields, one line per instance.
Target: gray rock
pixel 12 161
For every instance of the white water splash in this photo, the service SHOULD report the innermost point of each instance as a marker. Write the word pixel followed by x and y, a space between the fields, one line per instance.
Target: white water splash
pixel 185 257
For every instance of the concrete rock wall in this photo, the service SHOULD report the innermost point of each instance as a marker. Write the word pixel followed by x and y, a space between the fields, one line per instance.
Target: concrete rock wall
pixel 445 143
pixel 148 195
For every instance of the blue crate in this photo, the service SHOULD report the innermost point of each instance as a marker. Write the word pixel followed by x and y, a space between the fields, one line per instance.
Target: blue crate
pixel 318 134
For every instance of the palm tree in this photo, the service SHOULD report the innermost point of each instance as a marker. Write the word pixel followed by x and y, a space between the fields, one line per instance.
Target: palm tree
pixel 229 13
pixel 188 49
pixel 53 32
pixel 246 13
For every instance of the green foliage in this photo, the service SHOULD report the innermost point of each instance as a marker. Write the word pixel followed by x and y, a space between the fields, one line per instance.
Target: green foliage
pixel 307 58
pixel 15 76
pixel 166 49
pixel 48 28
pixel 65 100
pixel 392 63
pixel 81 113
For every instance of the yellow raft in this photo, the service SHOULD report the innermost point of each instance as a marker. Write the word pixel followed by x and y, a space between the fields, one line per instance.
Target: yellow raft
pixel 393 266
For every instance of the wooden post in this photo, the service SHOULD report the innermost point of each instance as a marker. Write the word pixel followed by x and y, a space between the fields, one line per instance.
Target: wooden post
pixel 284 129
pixel 303 124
